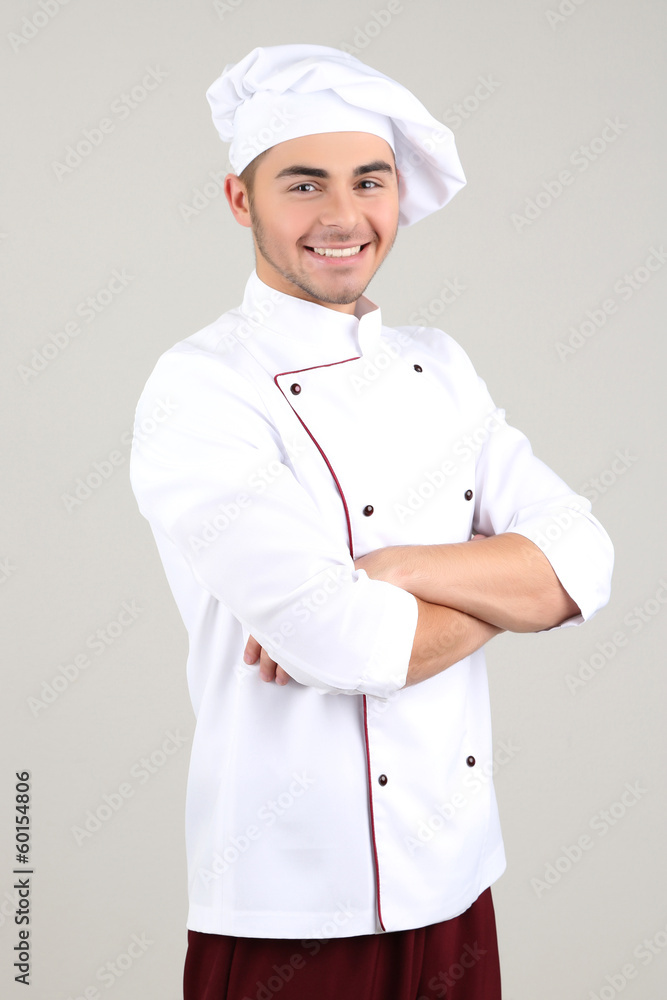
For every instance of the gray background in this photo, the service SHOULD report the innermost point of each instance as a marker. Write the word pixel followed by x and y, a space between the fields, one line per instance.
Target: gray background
pixel 555 80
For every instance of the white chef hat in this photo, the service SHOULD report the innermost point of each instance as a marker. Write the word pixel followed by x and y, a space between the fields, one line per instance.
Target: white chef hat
pixel 285 91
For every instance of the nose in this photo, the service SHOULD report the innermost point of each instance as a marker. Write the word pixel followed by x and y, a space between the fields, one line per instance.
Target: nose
pixel 341 209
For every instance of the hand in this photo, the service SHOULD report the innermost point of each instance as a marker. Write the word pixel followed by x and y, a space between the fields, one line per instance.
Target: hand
pixel 268 668
pixel 384 564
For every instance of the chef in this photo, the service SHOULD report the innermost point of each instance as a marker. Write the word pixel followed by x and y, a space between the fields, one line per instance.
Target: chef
pixel 345 518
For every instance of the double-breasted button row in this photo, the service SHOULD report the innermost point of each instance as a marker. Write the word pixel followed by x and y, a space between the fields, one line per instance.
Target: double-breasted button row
pixel 383 779
pixel 370 509
pixel 295 388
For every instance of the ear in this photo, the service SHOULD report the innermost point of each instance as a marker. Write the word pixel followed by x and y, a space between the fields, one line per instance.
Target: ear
pixel 237 196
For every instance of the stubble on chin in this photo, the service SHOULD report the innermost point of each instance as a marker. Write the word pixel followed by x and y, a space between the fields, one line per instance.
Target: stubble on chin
pixel 344 296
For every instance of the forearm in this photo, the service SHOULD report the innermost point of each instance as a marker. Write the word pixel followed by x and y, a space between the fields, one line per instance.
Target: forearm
pixel 443 637
pixel 505 580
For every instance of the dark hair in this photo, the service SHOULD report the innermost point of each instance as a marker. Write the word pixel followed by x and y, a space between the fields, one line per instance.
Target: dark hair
pixel 247 175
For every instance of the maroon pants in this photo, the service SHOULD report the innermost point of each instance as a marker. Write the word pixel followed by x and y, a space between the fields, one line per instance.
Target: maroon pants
pixel 456 959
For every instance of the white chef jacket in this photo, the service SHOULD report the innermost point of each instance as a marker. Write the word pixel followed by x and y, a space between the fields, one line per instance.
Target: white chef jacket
pixel 271 449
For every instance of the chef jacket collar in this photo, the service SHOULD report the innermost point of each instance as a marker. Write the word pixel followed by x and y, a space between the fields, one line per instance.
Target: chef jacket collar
pixel 288 333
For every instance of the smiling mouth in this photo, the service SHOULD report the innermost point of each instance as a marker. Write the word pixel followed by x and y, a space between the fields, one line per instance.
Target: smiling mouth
pixel 337 251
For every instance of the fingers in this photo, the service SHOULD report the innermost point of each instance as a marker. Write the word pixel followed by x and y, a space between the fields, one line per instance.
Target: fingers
pixel 270 671
pixel 251 651
pixel 268 668
pixel 281 676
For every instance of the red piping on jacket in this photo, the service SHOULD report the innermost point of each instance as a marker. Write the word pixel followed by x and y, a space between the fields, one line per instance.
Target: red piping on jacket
pixel 329 466
pixel 370 802
pixel 349 535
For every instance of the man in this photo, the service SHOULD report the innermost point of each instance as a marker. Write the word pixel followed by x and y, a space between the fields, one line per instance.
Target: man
pixel 341 509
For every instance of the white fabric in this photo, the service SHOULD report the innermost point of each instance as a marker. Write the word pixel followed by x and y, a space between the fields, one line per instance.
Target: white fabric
pixel 270 118
pixel 237 482
pixel 272 95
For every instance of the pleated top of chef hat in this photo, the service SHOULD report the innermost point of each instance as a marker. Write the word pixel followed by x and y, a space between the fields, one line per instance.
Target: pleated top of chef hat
pixel 284 92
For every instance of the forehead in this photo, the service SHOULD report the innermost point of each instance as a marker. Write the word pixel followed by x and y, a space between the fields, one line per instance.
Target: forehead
pixel 334 152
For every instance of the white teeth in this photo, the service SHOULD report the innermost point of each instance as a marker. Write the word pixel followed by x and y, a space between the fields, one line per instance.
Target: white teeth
pixel 328 252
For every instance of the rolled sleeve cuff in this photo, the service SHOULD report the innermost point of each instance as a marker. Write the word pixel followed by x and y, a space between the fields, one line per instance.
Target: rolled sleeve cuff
pixel 579 550
pixel 387 668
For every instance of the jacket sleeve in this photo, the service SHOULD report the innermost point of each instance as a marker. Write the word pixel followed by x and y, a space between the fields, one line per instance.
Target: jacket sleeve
pixel 215 480
pixel 516 492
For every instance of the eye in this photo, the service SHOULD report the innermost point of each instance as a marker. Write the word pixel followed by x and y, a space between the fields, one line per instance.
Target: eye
pixel 368 181
pixel 303 186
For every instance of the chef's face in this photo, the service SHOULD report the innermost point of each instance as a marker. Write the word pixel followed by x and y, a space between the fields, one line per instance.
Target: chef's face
pixel 316 194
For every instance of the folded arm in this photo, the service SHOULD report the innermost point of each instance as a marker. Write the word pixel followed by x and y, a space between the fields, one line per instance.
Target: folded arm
pixel 443 637
pixel 505 580
pixel 193 477
pixel 466 592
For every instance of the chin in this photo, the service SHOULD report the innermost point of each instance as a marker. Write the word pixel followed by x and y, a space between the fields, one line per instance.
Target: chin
pixel 335 296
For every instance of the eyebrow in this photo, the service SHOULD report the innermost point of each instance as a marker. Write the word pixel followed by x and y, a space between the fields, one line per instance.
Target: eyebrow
pixel 301 170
